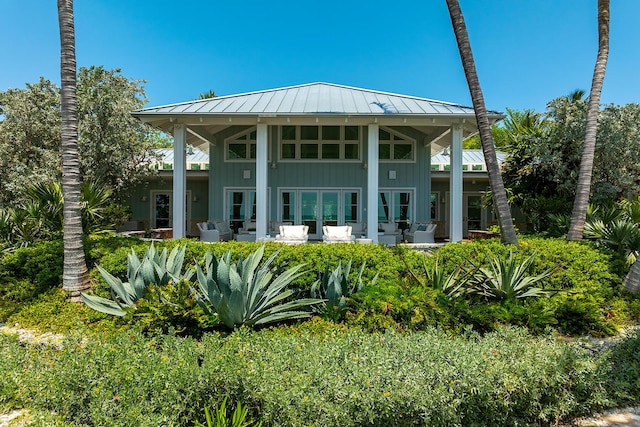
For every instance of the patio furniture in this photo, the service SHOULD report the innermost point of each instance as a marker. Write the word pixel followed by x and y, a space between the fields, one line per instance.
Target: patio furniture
pixel 214 231
pixel 387 239
pixel 293 234
pixel 247 226
pixel 275 226
pixel 246 237
pixel 421 232
pixel 337 234
pixel 390 229
pixel 358 228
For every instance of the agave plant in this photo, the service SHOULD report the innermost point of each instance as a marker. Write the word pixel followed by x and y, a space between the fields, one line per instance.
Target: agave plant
pixel 247 293
pixel 451 285
pixel 334 288
pixel 508 279
pixel 154 268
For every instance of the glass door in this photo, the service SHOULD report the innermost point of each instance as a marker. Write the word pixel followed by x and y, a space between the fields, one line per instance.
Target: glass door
pixel 474 219
pixel 242 207
pixel 330 208
pixel 309 212
pixel 162 210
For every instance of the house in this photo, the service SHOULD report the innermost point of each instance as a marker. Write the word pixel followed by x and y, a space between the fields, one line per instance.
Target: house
pixel 314 154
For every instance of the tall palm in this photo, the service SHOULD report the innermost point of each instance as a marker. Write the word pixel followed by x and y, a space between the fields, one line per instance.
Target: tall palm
pixel 505 220
pixel 579 213
pixel 75 277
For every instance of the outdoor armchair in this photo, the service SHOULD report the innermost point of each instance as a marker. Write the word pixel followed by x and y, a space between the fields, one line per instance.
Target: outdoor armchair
pixel 337 234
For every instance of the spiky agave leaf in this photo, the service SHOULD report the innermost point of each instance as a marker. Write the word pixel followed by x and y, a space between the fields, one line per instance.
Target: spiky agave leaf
pixel 103 305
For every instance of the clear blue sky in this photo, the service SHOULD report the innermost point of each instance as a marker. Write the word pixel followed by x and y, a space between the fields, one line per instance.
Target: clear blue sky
pixel 526 52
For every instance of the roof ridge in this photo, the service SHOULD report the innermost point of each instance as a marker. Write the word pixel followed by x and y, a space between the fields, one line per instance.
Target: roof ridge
pixel 351 88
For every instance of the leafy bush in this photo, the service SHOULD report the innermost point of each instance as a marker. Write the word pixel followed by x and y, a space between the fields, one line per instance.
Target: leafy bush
pixel 318 374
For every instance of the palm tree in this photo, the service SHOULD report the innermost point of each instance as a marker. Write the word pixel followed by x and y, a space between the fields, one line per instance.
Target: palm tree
pixel 579 213
pixel 505 220
pixel 75 277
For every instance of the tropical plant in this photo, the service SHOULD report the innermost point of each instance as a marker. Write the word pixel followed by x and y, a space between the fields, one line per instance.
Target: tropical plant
pixel 247 293
pixel 451 285
pixel 75 277
pixel 579 214
pixel 508 279
pixel 219 419
pixel 508 232
pixel 154 268
pixel 334 288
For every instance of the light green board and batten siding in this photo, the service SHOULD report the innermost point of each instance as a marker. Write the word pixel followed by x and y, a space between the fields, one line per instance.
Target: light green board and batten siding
pixel 318 174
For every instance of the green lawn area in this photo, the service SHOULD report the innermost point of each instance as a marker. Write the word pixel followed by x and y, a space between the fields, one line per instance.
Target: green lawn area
pixel 404 351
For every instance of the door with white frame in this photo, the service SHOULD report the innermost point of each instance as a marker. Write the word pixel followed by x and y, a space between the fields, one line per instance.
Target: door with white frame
pixel 162 210
pixel 318 207
pixel 396 205
pixel 474 215
pixel 240 206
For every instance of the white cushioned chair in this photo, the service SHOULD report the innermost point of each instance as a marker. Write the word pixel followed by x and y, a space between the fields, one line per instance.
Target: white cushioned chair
pixel 421 232
pixel 215 231
pixel 293 234
pixel 358 228
pixel 337 234
pixel 275 226
pixel 247 227
pixel 391 229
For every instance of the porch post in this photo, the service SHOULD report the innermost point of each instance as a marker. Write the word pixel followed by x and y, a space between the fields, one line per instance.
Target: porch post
pixel 455 185
pixel 372 183
pixel 261 181
pixel 179 181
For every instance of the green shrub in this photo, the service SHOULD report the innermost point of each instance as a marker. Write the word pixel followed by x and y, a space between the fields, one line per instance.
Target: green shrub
pixel 318 374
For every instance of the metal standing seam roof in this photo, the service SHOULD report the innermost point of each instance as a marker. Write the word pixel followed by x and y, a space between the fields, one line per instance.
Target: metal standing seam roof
pixel 313 98
pixel 469 157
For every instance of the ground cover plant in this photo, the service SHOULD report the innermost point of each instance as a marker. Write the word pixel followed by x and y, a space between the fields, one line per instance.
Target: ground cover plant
pixel 414 346
pixel 319 374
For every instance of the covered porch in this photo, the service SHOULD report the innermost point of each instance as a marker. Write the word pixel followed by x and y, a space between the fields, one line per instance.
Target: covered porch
pixel 317 154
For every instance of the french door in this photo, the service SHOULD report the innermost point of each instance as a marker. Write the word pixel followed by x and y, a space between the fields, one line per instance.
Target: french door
pixel 318 207
pixel 162 209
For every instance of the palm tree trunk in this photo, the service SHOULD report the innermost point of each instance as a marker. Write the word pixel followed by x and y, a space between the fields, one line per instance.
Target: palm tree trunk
pixel 505 220
pixel 632 280
pixel 579 214
pixel 75 278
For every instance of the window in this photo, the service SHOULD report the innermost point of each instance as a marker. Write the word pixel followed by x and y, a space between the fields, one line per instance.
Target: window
pixel 241 147
pixel 395 206
pixel 393 146
pixel 434 206
pixel 333 143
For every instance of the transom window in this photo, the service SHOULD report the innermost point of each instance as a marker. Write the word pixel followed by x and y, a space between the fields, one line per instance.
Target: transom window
pixel 242 146
pixel 320 143
pixel 393 146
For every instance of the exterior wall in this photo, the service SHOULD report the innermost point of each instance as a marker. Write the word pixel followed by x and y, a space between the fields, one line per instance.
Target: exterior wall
pixel 317 174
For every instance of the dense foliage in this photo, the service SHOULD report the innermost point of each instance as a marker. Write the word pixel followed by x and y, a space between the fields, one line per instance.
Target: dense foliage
pixel 319 374
pixel 113 146
pixel 545 152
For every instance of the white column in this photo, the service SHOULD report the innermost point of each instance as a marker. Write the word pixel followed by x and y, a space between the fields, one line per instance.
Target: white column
pixel 455 185
pixel 261 181
pixel 372 183
pixel 179 181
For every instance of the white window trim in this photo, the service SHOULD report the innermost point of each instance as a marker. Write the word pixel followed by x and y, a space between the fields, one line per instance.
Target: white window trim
pixel 297 214
pixel 412 200
pixel 342 142
pixel 226 204
pixel 233 140
pixel 406 139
